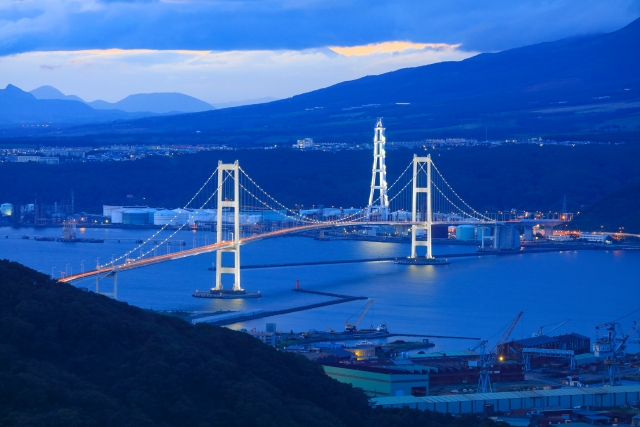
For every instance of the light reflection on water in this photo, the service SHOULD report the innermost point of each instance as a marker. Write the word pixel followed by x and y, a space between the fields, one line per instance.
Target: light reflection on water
pixel 473 296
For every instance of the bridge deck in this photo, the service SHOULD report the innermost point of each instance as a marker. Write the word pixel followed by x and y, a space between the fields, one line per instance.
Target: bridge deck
pixel 130 265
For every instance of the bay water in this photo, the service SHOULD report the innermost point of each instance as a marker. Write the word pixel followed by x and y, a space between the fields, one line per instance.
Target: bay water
pixel 474 296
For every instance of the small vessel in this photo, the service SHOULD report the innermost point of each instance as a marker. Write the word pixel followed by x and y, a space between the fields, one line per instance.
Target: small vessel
pixel 382 327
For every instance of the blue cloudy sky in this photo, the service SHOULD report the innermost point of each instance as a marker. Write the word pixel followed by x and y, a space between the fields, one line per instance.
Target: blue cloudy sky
pixel 229 50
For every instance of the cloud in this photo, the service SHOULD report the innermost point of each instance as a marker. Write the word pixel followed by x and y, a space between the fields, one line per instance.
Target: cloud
pixel 52 25
pixel 48 67
pixel 388 47
pixel 214 76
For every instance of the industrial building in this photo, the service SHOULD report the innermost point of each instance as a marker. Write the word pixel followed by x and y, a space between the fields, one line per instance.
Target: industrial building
pixel 499 236
pixel 6 209
pixel 144 215
pixel 566 398
pixel 576 342
pixel 377 381
pixel 25 159
pixel 453 368
pixel 595 237
pixel 269 338
pixel 305 143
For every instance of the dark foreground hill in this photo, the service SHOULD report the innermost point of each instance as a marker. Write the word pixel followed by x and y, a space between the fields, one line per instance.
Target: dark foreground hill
pixel 71 358
pixel 582 87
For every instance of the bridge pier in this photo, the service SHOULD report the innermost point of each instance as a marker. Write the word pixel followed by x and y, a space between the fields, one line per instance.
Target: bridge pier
pixel 231 202
pixel 420 187
pixel 528 233
pixel 114 275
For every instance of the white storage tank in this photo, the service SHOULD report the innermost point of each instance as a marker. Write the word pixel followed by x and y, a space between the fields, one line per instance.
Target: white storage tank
pixel 116 216
pixel 331 212
pixel 309 212
pixel 135 217
pixel 183 216
pixel 6 209
pixel 250 219
pixel 401 216
pixel 203 215
pixel 465 232
pixel 150 214
pixel 508 238
pixel 164 217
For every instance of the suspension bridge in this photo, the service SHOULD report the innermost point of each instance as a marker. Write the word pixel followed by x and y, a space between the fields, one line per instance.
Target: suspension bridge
pixel 241 211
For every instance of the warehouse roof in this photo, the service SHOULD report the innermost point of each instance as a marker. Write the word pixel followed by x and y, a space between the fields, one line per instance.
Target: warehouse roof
pixel 583 356
pixel 462 353
pixel 570 337
pixel 506 395
pixel 531 342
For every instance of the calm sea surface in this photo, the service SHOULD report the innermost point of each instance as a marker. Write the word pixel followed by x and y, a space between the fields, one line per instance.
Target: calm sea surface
pixel 473 296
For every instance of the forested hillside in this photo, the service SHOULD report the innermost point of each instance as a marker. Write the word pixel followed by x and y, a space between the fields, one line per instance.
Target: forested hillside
pixel 70 358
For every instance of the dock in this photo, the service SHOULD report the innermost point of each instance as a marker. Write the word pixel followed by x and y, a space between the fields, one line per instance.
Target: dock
pixel 321 336
pixel 339 299
pixel 326 294
pixel 299 264
pixel 442 258
pixel 238 319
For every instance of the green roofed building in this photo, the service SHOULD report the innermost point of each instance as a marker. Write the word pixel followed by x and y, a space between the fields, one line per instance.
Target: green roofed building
pixel 377 381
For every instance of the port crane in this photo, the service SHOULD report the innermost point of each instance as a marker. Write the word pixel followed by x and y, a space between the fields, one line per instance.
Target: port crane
pixel 354 327
pixel 489 357
pixel 612 348
pixel 540 332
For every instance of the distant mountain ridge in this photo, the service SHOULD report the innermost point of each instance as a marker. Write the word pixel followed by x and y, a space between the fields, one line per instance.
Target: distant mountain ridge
pixel 578 86
pixel 158 103
pixel 50 92
pixel 20 108
pixel 245 102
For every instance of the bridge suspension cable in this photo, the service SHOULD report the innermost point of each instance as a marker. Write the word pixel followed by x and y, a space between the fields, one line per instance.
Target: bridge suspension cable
pixel 246 211
pixel 139 247
pixel 449 195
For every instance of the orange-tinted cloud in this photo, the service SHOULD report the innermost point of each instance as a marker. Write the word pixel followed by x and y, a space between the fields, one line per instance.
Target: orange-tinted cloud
pixel 388 47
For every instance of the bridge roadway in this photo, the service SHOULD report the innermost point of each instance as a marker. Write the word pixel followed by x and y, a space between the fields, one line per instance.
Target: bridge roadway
pixel 130 265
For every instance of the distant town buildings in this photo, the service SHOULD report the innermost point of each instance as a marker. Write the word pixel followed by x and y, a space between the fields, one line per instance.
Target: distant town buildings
pixel 306 143
pixel 120 153
pixel 269 338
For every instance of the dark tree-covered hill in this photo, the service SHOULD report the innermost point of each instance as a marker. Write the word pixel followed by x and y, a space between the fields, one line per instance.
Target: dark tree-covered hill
pixel 70 358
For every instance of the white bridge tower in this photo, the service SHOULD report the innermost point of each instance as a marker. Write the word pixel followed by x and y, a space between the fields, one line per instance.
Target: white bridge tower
pixel 379 177
pixel 421 185
pixel 228 172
